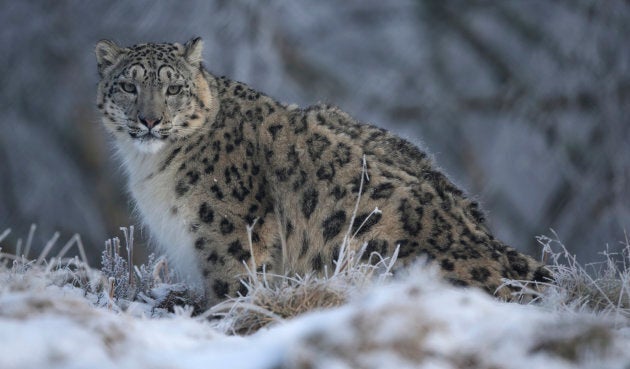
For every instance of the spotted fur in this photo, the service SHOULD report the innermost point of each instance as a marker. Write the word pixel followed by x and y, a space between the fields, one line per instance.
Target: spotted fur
pixel 206 157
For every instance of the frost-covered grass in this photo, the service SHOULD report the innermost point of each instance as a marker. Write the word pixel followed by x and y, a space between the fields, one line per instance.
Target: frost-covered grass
pixel 600 287
pixel 603 286
pixel 275 298
pixel 60 313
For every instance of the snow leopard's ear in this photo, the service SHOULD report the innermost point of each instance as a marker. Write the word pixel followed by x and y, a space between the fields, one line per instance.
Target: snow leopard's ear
pixel 192 51
pixel 107 54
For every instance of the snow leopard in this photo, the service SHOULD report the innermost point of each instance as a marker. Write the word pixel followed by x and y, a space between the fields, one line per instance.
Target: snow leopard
pixel 225 176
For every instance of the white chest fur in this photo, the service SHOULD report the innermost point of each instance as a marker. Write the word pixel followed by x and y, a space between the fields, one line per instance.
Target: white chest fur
pixel 152 191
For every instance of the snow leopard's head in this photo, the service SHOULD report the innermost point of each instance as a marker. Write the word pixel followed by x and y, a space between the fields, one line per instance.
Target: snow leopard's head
pixel 150 94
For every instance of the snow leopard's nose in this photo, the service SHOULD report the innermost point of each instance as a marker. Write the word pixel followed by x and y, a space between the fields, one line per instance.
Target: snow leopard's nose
pixel 149 122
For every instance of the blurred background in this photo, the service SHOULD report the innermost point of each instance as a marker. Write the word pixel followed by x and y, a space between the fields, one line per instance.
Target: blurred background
pixel 525 104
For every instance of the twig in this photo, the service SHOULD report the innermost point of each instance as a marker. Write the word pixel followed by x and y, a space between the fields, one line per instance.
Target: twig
pixel 250 229
pixel 129 246
pixel 29 240
pixel 346 239
pixel 111 281
pixel 4 234
pixel 49 245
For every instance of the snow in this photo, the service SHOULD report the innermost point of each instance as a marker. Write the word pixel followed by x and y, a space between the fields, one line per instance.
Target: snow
pixel 413 322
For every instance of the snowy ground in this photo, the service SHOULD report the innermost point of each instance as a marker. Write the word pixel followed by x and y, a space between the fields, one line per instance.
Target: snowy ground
pixel 415 322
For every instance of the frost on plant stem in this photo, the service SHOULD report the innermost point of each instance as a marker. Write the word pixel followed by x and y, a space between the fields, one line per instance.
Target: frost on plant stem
pixel 116 267
pixel 150 283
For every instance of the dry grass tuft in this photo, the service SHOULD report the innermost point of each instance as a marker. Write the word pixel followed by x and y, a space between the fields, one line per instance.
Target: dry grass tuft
pixel 58 270
pixel 117 285
pixel 272 298
pixel 600 287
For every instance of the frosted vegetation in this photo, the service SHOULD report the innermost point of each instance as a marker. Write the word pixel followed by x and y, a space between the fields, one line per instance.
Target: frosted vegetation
pixel 59 312
pixel 524 103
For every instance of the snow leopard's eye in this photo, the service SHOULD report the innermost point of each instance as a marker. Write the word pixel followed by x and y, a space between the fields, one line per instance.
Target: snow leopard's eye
pixel 129 88
pixel 173 89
